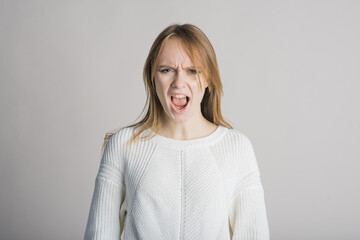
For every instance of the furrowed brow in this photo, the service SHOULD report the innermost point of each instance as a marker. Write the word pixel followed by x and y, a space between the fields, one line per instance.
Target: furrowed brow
pixel 191 67
pixel 166 66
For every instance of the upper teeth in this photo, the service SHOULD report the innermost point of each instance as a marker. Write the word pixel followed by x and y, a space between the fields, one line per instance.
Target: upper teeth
pixel 178 96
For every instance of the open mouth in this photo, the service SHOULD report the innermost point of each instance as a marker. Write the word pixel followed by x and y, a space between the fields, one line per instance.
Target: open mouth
pixel 179 105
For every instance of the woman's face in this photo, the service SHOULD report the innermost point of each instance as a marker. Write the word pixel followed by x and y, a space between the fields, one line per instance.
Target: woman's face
pixel 175 75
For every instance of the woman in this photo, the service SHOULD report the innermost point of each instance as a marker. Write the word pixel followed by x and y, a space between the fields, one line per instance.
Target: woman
pixel 182 172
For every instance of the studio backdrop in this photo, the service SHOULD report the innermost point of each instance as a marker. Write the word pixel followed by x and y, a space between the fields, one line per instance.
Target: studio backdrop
pixel 70 71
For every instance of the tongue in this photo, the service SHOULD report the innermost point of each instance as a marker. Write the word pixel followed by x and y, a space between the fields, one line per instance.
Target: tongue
pixel 179 101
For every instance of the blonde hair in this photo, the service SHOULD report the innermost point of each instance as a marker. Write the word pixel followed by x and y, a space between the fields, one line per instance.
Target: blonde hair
pixel 202 55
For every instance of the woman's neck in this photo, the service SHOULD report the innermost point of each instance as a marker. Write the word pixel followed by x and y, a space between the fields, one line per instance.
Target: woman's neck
pixel 185 131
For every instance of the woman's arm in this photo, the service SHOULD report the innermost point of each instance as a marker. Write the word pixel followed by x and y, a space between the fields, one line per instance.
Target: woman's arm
pixel 109 194
pixel 248 218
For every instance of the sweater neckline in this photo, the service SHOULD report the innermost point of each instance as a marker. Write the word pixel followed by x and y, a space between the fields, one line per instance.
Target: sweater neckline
pixel 181 144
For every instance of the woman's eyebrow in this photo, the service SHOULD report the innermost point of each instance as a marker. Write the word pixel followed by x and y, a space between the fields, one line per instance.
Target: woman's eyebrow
pixel 166 66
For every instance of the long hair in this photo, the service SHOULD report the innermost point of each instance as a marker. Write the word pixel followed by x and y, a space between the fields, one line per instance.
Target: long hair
pixel 202 54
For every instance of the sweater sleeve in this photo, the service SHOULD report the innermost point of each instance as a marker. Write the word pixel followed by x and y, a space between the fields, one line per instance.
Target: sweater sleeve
pixel 248 218
pixel 105 220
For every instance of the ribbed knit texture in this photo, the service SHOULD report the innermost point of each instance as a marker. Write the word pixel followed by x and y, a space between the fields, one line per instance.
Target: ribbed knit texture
pixel 207 188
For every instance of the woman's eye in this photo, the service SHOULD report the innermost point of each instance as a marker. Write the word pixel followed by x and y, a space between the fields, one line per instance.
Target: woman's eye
pixel 165 70
pixel 193 71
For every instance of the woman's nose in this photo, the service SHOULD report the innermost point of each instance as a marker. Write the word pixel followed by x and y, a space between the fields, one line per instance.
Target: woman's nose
pixel 179 79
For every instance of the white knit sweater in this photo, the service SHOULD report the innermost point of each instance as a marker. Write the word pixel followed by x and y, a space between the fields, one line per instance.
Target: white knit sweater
pixel 200 189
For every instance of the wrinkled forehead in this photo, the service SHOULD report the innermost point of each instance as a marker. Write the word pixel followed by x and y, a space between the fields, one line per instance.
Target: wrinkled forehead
pixel 174 54
pixel 178 52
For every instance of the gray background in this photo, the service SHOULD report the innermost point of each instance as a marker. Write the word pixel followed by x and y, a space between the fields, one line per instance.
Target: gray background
pixel 72 70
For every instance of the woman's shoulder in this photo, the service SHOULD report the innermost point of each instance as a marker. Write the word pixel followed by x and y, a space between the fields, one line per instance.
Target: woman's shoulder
pixel 123 133
pixel 117 138
pixel 237 136
pixel 242 149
